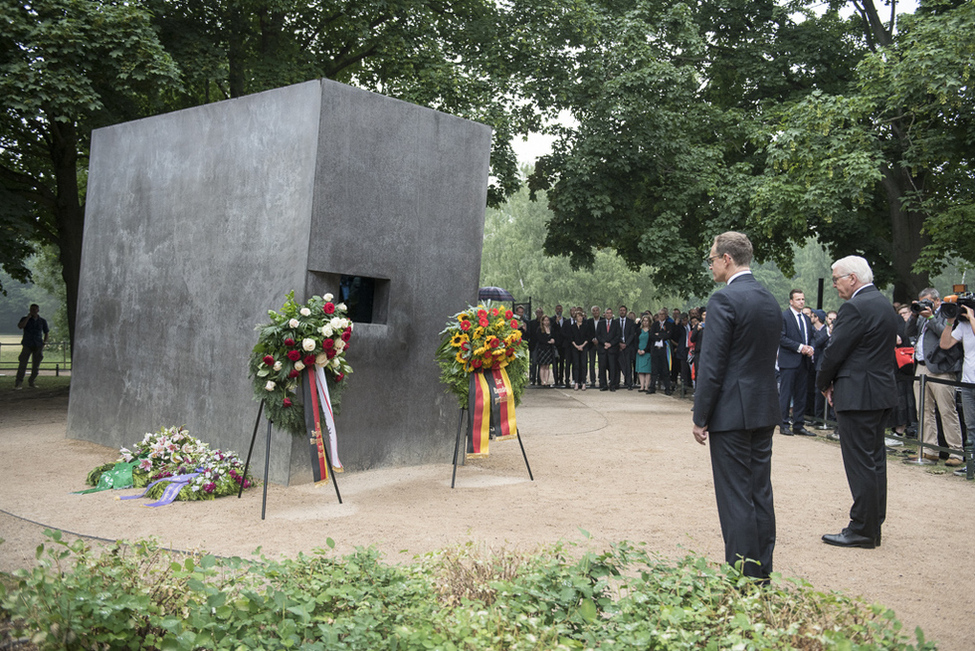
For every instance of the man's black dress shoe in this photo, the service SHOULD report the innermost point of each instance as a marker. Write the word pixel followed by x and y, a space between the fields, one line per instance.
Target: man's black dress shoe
pixel 604 389
pixel 803 432
pixel 785 431
pixel 847 538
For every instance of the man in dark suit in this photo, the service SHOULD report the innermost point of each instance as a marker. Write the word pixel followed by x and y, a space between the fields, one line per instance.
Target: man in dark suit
pixel 560 365
pixel 736 403
pixel 858 378
pixel 628 339
pixel 533 326
pixel 593 353
pixel 661 334
pixel 795 364
pixel 608 348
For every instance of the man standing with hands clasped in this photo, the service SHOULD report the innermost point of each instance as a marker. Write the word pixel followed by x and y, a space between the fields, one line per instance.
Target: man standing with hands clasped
pixel 858 379
pixel 736 403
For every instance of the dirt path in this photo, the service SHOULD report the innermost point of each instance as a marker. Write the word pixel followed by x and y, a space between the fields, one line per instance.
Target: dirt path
pixel 622 466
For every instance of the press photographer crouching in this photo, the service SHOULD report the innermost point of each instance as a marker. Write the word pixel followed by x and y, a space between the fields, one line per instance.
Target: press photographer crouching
pixel 960 316
pixel 927 324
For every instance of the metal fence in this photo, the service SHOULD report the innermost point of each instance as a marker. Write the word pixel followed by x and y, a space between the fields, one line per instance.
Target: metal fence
pixel 57 357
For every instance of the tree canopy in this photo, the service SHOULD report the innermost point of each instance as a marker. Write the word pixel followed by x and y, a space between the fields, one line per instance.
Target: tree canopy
pixel 768 118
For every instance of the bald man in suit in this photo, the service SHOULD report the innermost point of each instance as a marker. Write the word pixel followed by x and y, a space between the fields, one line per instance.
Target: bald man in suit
pixel 736 403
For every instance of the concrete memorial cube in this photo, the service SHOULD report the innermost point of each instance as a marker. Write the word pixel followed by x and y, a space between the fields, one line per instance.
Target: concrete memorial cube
pixel 200 221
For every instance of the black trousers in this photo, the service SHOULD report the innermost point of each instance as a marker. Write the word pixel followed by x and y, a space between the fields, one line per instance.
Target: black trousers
pixel 659 368
pixel 792 390
pixel 578 364
pixel 741 463
pixel 592 355
pixel 626 365
pixel 609 373
pixel 865 461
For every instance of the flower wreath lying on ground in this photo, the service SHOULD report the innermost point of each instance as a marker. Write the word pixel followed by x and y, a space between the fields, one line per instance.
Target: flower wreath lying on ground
pixel 172 452
pixel 299 337
pixel 482 338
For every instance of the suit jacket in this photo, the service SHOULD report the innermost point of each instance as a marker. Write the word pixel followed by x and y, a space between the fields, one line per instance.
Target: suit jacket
pixel 561 339
pixel 859 360
pixel 736 387
pixel 790 339
pixel 631 333
pixel 819 342
pixel 578 334
pixel 661 331
pixel 591 324
pixel 612 336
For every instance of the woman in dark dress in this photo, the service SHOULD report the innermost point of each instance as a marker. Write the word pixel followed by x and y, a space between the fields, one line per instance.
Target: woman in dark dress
pixel 580 339
pixel 545 349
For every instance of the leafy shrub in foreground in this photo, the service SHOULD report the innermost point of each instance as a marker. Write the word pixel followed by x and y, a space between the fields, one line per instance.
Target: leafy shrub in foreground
pixel 138 596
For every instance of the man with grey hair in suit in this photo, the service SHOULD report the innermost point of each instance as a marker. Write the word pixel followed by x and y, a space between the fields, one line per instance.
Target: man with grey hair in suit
pixel 858 378
pixel 736 403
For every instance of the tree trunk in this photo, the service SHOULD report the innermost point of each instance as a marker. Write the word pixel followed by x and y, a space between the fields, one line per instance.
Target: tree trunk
pixel 69 214
pixel 906 238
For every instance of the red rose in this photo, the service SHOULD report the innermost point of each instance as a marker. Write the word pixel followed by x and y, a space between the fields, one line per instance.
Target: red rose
pixel 465 325
pixel 286 402
pixel 514 324
pixel 329 308
pixel 340 377
pixel 293 374
pixel 328 344
pixel 289 342
pixel 330 352
pixel 346 335
pixel 309 360
pixel 348 345
pixel 269 360
pixel 294 355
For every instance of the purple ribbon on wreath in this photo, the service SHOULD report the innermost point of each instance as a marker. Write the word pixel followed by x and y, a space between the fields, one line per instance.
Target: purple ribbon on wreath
pixel 176 484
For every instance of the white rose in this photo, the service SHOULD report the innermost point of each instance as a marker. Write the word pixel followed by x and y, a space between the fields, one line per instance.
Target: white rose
pixel 328 298
pixel 277 366
pixel 305 311
pixel 322 359
pixel 339 346
pixel 308 344
pixel 269 386
pixel 336 323
pixel 340 307
pixel 293 323
pixel 327 330
pixel 336 363
pixel 299 366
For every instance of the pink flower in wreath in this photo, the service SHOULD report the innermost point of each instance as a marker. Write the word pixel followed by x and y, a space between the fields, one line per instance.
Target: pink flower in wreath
pixel 328 344
pixel 286 402
pixel 329 308
pixel 340 377
pixel 330 352
pixel 347 335
pixel 309 360
pixel 209 487
pixel 294 355
pixel 269 360
pixel 289 342
pixel 293 374
pixel 145 464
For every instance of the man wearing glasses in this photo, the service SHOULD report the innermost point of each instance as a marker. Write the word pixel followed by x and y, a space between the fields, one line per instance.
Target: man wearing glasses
pixel 858 378
pixel 736 403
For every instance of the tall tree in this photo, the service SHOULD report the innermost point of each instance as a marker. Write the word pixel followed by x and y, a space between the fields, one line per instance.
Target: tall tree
pixel 760 116
pixel 66 67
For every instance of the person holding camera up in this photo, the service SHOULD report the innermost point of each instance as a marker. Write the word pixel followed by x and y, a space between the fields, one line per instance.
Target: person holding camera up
pixel 927 324
pixel 35 336
pixel 963 330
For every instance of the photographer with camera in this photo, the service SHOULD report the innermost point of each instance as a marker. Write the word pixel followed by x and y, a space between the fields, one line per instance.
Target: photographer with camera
pixel 963 330
pixel 926 325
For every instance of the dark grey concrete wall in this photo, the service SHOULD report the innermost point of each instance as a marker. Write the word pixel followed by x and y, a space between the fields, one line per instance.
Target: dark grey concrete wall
pixel 199 221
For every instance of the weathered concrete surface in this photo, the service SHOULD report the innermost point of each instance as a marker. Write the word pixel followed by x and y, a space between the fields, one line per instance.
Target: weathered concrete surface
pixel 199 221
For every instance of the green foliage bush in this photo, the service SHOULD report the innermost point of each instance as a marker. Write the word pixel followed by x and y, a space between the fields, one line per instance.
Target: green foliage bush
pixel 138 596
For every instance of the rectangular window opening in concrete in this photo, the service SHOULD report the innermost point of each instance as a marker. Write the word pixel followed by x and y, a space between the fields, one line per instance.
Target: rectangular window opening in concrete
pixel 366 298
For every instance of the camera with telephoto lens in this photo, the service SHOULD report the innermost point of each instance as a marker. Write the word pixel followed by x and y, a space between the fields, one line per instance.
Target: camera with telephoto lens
pixel 951 306
pixel 919 306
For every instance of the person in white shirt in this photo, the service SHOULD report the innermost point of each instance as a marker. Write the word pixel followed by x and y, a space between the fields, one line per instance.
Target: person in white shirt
pixel 964 331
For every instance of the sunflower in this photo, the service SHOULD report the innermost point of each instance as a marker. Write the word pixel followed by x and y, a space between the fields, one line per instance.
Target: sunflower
pixel 458 339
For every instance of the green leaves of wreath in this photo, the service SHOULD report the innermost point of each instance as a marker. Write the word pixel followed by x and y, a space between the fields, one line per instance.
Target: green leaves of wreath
pixel 298 338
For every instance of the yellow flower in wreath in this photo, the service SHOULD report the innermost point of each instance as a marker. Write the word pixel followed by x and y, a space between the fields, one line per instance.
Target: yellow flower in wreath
pixel 460 357
pixel 458 339
pixel 478 333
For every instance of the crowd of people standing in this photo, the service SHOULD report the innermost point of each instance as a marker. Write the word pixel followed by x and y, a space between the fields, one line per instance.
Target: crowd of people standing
pixel 610 350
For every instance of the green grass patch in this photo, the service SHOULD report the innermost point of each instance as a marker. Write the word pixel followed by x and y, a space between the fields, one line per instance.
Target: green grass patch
pixel 56 354
pixel 140 596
